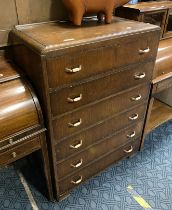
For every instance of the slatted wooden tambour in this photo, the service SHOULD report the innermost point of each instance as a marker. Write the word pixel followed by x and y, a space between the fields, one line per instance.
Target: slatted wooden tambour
pixel 93 82
pixel 22 131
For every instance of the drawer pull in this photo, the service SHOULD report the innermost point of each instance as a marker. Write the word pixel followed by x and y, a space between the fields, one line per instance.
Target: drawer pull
pixel 14 154
pixel 10 141
pixel 77 181
pixel 1 75
pixel 137 98
pixel 140 76
pixel 76 124
pixel 131 135
pixel 144 51
pixel 74 70
pixel 77 145
pixel 77 165
pixel 130 150
pixel 72 100
pixel 134 117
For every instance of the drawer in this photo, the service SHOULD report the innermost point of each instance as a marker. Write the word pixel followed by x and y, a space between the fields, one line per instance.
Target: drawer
pixel 20 151
pixel 99 111
pixel 70 98
pixel 107 144
pixel 79 142
pixel 137 48
pixel 162 83
pixel 99 165
pixel 68 68
pixel 7 71
pixel 20 138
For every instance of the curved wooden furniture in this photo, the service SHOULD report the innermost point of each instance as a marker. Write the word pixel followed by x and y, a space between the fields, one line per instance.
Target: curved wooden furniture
pixel 22 131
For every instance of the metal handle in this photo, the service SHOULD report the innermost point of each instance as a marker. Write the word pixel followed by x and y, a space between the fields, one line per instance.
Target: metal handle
pixel 73 70
pixel 130 150
pixel 144 51
pixel 77 181
pixel 72 100
pixel 137 98
pixel 77 145
pixel 10 141
pixel 140 75
pixel 134 117
pixel 1 75
pixel 131 135
pixel 76 124
pixel 14 154
pixel 77 165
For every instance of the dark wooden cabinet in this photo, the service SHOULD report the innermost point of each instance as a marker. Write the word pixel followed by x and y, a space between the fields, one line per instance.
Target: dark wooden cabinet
pixel 22 130
pixel 93 83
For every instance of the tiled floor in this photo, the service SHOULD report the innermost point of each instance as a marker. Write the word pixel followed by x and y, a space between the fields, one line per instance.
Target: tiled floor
pixel 149 172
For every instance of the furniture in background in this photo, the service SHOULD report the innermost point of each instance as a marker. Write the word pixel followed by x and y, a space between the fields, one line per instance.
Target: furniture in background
pixel 93 83
pixel 154 12
pixel 158 13
pixel 22 131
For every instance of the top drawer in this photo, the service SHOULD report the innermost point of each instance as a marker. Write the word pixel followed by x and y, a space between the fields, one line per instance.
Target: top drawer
pixel 82 64
pixel 7 71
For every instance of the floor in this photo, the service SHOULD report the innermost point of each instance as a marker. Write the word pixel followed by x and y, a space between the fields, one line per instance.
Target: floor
pixel 143 181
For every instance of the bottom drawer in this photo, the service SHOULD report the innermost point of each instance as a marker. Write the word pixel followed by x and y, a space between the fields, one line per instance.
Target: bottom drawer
pixel 20 151
pixel 99 165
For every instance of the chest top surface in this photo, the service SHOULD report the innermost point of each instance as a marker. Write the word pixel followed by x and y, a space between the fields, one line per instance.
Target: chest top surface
pixel 50 36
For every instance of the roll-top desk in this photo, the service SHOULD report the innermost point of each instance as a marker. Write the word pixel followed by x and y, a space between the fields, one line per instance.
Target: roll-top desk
pixel 93 83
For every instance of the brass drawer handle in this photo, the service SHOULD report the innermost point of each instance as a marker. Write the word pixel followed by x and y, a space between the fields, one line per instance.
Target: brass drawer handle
pixel 131 135
pixel 14 154
pixel 134 117
pixel 10 141
pixel 130 150
pixel 144 51
pixel 76 124
pixel 77 181
pixel 77 145
pixel 1 75
pixel 73 70
pixel 72 100
pixel 140 76
pixel 77 165
pixel 137 98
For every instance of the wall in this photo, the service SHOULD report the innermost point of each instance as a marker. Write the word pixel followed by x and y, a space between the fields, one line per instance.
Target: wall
pixel 13 12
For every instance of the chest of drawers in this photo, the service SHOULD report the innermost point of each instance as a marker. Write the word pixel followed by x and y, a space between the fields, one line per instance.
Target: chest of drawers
pixel 93 82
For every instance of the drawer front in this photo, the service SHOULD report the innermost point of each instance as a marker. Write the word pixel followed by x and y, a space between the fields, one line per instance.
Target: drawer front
pixel 127 50
pixel 79 142
pixel 99 111
pixel 97 150
pixel 20 151
pixel 7 71
pixel 99 165
pixel 75 96
pixel 162 84
pixel 137 48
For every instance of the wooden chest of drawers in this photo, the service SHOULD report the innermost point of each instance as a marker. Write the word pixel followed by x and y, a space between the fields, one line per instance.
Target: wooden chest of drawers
pixel 93 82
